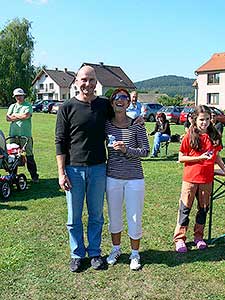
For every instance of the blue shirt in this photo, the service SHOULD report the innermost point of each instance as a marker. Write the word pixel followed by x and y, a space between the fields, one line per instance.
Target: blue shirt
pixel 133 111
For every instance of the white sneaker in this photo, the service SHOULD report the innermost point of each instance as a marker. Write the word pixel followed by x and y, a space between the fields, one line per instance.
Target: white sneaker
pixel 135 263
pixel 113 256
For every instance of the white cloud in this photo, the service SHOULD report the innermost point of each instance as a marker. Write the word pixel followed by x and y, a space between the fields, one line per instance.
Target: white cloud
pixel 37 1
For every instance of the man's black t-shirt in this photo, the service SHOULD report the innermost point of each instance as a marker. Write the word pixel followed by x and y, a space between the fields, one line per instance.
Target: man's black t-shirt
pixel 80 131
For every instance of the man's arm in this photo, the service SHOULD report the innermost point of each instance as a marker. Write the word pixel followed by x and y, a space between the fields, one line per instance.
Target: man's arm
pixel 17 117
pixel 63 179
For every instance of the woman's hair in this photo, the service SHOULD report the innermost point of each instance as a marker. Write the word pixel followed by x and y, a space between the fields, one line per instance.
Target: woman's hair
pixel 163 116
pixel 195 133
pixel 117 91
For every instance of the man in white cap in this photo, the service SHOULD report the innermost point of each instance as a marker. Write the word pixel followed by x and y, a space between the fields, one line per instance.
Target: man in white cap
pixel 19 114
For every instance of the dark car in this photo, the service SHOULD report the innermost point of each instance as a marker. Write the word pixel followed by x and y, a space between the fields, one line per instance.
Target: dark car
pixel 149 110
pixel 56 107
pixel 38 105
pixel 220 116
pixel 48 106
pixel 172 113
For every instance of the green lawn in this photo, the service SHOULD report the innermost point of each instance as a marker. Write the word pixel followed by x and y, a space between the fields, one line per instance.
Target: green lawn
pixel 34 252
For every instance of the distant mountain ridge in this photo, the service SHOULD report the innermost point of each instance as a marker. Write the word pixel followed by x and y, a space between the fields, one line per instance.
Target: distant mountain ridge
pixel 171 85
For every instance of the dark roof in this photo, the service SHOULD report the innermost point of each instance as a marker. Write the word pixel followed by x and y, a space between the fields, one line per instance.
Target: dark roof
pixel 62 78
pixel 111 76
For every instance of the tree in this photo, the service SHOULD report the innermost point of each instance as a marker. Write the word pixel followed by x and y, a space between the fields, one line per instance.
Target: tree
pixel 167 101
pixel 16 48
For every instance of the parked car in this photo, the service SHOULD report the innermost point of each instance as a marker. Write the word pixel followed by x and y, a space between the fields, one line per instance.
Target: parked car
pixel 220 116
pixel 149 110
pixel 48 106
pixel 183 115
pixel 172 113
pixel 55 107
pixel 38 105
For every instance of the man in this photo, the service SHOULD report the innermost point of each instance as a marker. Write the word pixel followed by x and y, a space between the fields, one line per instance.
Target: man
pixel 218 125
pixel 19 114
pixel 134 109
pixel 80 154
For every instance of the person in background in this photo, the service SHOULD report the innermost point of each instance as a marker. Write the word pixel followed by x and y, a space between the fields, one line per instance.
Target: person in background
pixel 188 122
pixel 125 179
pixel 218 125
pixel 162 133
pixel 19 115
pixel 199 151
pixel 134 109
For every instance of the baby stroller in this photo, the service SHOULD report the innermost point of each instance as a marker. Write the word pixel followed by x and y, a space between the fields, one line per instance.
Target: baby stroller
pixel 11 157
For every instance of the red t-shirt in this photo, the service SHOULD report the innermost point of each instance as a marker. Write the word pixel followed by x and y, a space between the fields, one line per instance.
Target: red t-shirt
pixel 201 171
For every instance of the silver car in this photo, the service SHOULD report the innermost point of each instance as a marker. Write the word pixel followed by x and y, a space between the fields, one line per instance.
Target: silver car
pixel 149 110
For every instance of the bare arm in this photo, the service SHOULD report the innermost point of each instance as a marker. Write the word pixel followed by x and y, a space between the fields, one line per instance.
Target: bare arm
pixel 63 179
pixel 17 117
pixel 185 158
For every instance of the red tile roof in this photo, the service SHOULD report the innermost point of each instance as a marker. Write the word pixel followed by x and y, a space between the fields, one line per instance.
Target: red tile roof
pixel 216 63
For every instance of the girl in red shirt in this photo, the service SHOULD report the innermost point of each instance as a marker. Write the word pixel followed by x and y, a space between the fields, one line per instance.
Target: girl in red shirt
pixel 199 151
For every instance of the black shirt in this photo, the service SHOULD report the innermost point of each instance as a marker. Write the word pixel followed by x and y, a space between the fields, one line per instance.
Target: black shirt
pixel 80 131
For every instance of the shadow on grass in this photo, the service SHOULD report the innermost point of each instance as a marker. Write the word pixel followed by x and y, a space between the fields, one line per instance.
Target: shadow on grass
pixel 172 157
pixel 172 259
pixel 9 207
pixel 46 188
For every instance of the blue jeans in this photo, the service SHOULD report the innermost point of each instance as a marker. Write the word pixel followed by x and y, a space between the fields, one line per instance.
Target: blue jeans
pixel 159 138
pixel 87 181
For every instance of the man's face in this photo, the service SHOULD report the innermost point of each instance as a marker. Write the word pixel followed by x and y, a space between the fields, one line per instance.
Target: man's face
pixel 19 98
pixel 86 81
pixel 134 98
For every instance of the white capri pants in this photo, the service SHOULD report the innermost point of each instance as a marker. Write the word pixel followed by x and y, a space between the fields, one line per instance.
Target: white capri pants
pixel 132 191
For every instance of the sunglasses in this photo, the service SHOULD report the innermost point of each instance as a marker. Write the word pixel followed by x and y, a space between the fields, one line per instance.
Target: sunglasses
pixel 120 97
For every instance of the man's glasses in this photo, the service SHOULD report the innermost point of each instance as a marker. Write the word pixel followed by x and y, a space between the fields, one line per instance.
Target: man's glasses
pixel 120 97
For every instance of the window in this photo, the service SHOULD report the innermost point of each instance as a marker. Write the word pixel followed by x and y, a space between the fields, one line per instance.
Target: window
pixel 213 98
pixel 41 86
pixel 213 78
pixel 64 96
pixel 51 86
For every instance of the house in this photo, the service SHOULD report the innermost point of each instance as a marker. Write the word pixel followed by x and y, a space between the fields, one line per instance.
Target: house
pixel 210 82
pixel 108 78
pixel 53 84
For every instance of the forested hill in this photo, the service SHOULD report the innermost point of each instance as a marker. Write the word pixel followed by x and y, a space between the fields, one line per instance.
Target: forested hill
pixel 171 85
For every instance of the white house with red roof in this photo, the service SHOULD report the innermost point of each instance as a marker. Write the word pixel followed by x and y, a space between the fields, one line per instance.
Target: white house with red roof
pixel 210 82
pixel 53 84
pixel 108 77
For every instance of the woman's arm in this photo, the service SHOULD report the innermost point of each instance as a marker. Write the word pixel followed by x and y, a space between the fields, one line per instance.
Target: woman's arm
pixel 142 149
pixel 182 158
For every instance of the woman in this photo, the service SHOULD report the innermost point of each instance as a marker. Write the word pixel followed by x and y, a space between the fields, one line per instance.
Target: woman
pixel 162 133
pixel 127 142
pixel 199 151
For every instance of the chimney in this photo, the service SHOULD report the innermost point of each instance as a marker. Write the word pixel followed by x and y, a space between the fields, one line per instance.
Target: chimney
pixel 56 69
pixel 101 63
pixel 65 70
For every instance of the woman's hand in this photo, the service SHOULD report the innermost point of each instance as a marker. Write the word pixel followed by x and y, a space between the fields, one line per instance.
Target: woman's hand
pixel 206 155
pixel 64 183
pixel 119 145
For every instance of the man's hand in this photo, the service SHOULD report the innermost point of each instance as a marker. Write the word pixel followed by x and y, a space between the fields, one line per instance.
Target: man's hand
pixel 64 183
pixel 139 120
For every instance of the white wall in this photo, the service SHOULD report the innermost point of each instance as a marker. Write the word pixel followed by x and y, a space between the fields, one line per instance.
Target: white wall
pixel 204 89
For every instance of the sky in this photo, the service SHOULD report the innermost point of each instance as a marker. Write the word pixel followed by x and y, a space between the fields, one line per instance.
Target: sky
pixel 145 38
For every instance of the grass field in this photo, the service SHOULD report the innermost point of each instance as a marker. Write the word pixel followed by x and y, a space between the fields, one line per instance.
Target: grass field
pixel 34 252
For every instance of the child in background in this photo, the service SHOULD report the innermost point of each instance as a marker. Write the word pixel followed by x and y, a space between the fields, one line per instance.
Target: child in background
pixel 199 151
